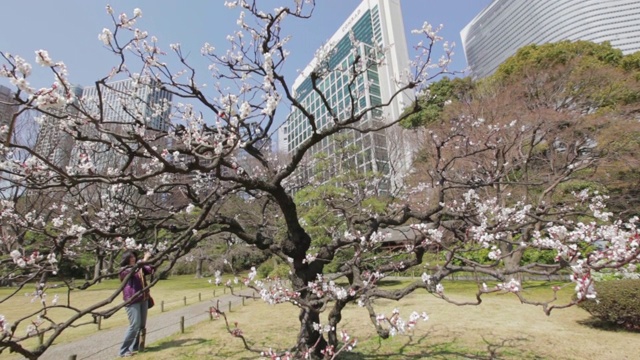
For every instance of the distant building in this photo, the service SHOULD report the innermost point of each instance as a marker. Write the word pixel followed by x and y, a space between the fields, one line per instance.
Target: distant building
pixel 7 105
pixel 507 25
pixel 127 101
pixel 375 24
pixel 53 142
pixel 125 105
pixel 283 141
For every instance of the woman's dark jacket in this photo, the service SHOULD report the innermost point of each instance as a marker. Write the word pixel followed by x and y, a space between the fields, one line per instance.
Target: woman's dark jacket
pixel 134 284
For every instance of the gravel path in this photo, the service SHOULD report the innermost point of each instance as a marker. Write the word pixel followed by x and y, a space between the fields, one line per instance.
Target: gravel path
pixel 106 343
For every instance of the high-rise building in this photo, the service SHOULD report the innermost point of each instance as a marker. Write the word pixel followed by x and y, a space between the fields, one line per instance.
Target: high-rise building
pixel 507 25
pixel 282 138
pixel 7 105
pixel 127 101
pixel 125 105
pixel 376 26
pixel 53 143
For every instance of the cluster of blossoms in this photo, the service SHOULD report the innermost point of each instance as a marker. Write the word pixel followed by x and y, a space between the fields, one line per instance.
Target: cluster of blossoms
pixel 432 236
pixel 513 286
pixel 397 325
pixel 56 97
pixel 39 295
pixel 32 329
pixel 348 343
pixel 17 258
pixel 34 259
pixel 492 215
pixel 426 278
pixel 275 292
pixel 617 245
pixel 367 242
pixel 5 327
pixel 251 276
pixel 309 258
pixel 273 355
pixel 584 286
pixel 371 278
pixel 322 288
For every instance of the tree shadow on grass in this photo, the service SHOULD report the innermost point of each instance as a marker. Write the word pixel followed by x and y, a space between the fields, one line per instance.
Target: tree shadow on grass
pixel 173 344
pixel 595 323
pixel 506 348
pixel 195 343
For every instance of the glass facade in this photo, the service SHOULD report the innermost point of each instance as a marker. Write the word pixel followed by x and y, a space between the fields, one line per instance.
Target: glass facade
pixel 124 103
pixel 7 107
pixel 148 103
pixel 507 25
pixel 345 95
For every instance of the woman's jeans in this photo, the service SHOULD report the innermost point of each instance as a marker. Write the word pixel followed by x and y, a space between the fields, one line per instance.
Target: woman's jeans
pixel 137 314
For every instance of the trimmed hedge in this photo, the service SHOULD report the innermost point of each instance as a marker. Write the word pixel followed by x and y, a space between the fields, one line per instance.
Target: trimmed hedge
pixel 618 303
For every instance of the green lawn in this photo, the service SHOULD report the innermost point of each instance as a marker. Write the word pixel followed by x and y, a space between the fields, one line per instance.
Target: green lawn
pixel 500 328
pixel 171 291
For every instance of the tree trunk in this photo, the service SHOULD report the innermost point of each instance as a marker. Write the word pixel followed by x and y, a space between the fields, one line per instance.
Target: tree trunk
pixel 512 261
pixel 110 261
pixel 97 269
pixel 334 319
pixel 199 263
pixel 309 337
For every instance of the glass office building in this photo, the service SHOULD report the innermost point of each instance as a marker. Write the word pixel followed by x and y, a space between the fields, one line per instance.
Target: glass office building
pixel 126 101
pixel 123 103
pixel 507 25
pixel 375 24
pixel 7 105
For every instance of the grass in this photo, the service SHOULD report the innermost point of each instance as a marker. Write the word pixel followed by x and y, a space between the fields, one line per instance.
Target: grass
pixel 500 328
pixel 171 291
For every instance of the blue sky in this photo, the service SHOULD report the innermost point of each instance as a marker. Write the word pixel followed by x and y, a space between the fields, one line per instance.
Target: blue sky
pixel 69 29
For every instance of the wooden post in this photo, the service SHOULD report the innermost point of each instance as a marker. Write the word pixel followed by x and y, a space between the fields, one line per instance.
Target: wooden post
pixel 41 338
pixel 224 290
pixel 185 301
pixel 143 339
pixel 214 292
pixel 162 306
pixel 182 324
pixel 243 301
pixel 99 322
pixel 210 313
pixel 229 306
pixel 73 357
pixel 199 297
pixel 254 296
pixel 240 286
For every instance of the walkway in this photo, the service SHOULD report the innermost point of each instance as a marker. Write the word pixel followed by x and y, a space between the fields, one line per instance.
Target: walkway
pixel 105 344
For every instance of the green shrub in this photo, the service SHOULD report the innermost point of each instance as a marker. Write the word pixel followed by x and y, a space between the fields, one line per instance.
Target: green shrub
pixel 617 303
pixel 281 271
pixel 266 268
pixel 532 255
pixel 480 256
pixel 184 268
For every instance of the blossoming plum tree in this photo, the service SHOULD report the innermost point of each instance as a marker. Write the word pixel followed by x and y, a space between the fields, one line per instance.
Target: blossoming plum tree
pixel 169 190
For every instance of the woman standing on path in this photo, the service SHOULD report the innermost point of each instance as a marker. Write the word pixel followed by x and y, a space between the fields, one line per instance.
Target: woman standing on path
pixel 138 301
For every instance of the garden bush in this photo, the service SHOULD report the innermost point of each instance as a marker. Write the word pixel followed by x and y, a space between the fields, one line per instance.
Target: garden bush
pixel 266 268
pixel 617 303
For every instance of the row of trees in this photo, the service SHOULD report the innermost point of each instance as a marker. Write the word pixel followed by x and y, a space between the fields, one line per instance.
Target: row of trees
pixel 506 165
